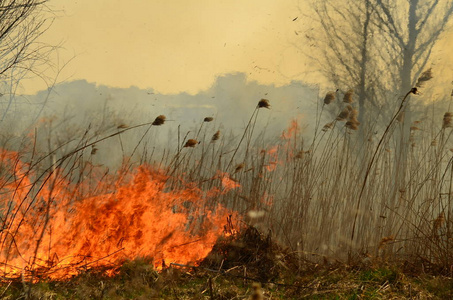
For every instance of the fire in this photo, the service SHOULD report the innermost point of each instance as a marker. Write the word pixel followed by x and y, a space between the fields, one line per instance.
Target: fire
pixel 227 182
pixel 49 230
pixel 291 131
pixel 273 158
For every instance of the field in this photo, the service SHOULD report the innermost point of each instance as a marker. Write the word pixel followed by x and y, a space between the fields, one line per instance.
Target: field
pixel 347 213
pixel 248 279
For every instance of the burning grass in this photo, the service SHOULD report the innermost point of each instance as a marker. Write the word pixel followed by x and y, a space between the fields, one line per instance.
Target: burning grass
pixel 48 234
pixel 346 201
pixel 247 265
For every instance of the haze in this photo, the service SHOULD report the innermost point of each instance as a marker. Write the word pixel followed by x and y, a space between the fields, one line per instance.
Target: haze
pixel 176 46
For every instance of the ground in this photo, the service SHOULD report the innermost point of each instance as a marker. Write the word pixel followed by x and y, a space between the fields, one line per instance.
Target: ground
pixel 238 267
pixel 139 280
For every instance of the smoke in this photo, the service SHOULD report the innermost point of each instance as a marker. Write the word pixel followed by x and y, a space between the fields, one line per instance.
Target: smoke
pixel 70 109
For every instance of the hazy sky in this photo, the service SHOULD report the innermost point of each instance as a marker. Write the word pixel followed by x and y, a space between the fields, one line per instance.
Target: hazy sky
pixel 178 45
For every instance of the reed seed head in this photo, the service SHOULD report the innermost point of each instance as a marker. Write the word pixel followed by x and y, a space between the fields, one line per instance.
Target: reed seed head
pixel 344 114
pixel 424 77
pixel 239 167
pixel 159 120
pixel 352 124
pixel 347 98
pixel 329 98
pixel 327 126
pixel 191 143
pixel 353 114
pixel 93 150
pixel 264 103
pixel 216 136
pixel 208 119
pixel 447 121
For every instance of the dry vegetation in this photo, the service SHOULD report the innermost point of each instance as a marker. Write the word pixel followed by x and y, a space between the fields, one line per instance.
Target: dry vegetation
pixel 357 214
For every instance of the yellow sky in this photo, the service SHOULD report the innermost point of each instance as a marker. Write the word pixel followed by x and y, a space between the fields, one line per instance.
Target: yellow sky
pixel 177 45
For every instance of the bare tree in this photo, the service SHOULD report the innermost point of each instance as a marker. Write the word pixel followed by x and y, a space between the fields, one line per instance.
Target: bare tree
pixel 410 29
pixel 347 50
pixel 380 48
pixel 377 47
pixel 22 22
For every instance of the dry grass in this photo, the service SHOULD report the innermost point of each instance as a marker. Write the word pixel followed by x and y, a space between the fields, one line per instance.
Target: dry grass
pixel 137 280
pixel 393 196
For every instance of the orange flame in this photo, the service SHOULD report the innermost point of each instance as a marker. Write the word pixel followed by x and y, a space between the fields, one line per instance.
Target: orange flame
pixel 227 182
pixel 273 158
pixel 288 137
pixel 48 232
pixel 292 130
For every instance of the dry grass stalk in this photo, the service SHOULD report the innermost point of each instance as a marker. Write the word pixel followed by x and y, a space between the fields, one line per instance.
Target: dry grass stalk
pixel 447 121
pixel 347 98
pixel 264 103
pixel 191 143
pixel 329 98
pixel 159 120
pixel 400 117
pixel 370 164
pixel 216 136
pixel 424 77
pixel 121 126
pixel 208 119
